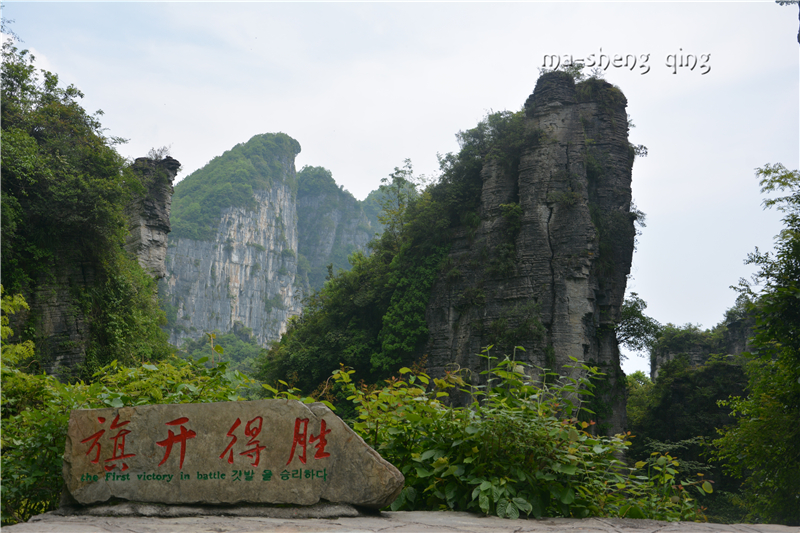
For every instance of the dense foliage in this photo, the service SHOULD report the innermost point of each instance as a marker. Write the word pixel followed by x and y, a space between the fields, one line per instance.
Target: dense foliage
pixel 680 413
pixel 64 191
pixel 763 448
pixel 372 318
pixel 635 330
pixel 229 180
pixel 239 348
pixel 518 448
pixel 36 407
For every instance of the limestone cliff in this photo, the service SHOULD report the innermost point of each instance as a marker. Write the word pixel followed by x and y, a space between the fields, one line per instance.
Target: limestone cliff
pixel 546 266
pixel 730 337
pixel 61 326
pixel 253 263
pixel 246 272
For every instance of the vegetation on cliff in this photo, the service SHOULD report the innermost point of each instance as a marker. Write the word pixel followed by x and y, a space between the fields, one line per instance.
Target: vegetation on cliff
pixel 229 180
pixel 64 191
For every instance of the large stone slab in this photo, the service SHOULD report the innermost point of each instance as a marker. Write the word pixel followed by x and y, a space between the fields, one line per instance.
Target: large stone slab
pixel 267 451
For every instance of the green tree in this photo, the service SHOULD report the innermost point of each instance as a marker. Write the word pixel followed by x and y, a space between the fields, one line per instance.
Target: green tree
pixel 62 180
pixel 396 194
pixel 635 330
pixel 763 448
pixel 640 398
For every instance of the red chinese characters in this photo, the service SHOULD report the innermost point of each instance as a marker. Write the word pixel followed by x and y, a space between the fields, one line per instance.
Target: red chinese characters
pixel 118 453
pixel 232 442
pixel 320 446
pixel 251 430
pixel 301 438
pixel 173 438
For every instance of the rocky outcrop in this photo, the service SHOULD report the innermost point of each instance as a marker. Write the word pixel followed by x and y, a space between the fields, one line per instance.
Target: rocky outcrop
pixel 62 329
pixel 272 451
pixel 547 265
pixel 148 215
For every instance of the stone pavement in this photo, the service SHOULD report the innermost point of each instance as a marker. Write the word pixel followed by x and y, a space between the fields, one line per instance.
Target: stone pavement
pixel 399 522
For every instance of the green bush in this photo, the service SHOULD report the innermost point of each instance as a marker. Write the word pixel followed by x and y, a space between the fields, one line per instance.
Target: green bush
pixel 518 448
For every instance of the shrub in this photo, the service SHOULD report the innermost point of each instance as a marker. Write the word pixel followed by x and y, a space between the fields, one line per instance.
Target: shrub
pixel 517 448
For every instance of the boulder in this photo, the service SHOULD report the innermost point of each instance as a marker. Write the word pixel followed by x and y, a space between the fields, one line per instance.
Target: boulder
pixel 266 451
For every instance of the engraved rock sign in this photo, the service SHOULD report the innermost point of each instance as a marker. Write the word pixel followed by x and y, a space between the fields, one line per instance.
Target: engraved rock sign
pixel 266 451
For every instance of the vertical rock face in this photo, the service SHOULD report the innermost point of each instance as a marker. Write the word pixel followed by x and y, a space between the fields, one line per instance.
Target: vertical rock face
pixel 62 330
pixel 547 265
pixel 246 274
pixel 261 258
pixel 148 215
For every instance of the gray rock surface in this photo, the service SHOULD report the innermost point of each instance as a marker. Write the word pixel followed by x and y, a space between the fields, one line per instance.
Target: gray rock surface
pixel 266 451
pixel 261 262
pixel 401 522
pixel 554 287
pixel 160 510
pixel 148 215
pixel 246 274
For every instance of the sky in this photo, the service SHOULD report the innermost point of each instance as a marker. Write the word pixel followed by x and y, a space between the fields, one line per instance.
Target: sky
pixel 714 94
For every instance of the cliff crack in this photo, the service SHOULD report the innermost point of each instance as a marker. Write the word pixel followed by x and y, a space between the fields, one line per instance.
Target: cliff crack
pixel 552 278
pixel 551 261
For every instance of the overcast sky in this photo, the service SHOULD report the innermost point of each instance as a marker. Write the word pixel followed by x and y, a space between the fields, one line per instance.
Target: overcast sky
pixel 362 86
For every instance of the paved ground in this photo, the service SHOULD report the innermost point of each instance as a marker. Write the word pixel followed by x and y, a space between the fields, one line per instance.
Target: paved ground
pixel 400 522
